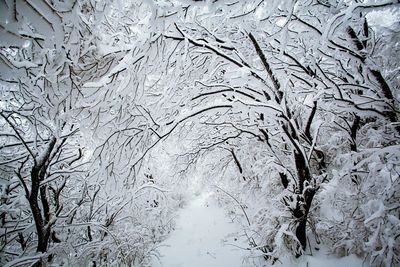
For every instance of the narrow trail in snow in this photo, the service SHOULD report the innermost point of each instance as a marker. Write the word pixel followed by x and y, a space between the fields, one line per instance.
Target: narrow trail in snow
pixel 204 237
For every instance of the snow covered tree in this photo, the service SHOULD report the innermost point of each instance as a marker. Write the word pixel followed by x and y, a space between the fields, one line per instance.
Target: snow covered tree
pixel 280 73
pixel 296 97
pixel 64 109
pixel 39 92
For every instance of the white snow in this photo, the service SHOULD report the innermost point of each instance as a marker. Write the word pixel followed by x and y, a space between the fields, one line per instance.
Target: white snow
pixel 204 237
pixel 322 260
pixel 383 18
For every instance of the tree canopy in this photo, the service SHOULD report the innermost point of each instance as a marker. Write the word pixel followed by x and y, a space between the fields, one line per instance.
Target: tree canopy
pixel 108 107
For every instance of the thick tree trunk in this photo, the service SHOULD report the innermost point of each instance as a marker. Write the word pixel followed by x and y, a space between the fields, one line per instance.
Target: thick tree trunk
pixel 36 211
pixel 41 220
pixel 304 200
pixel 303 172
pixel 302 214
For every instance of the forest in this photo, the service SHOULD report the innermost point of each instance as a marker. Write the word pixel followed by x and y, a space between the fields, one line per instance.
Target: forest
pixel 115 114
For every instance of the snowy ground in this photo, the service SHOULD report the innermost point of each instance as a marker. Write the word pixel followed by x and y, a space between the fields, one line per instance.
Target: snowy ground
pixel 206 237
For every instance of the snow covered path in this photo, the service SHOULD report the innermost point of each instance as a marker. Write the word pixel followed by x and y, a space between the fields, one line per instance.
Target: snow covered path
pixel 204 237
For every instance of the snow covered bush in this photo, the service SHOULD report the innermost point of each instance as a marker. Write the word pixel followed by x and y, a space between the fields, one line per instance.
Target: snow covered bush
pixel 359 206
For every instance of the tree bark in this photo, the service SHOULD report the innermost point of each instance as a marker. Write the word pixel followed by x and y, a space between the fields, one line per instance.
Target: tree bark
pixel 38 173
pixel 304 208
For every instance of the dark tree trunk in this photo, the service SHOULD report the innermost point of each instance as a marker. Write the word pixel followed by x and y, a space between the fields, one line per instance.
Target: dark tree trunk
pixel 43 228
pixel 303 172
pixel 284 179
pixel 304 200
pixel 37 213
pixel 353 133
pixel 302 214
